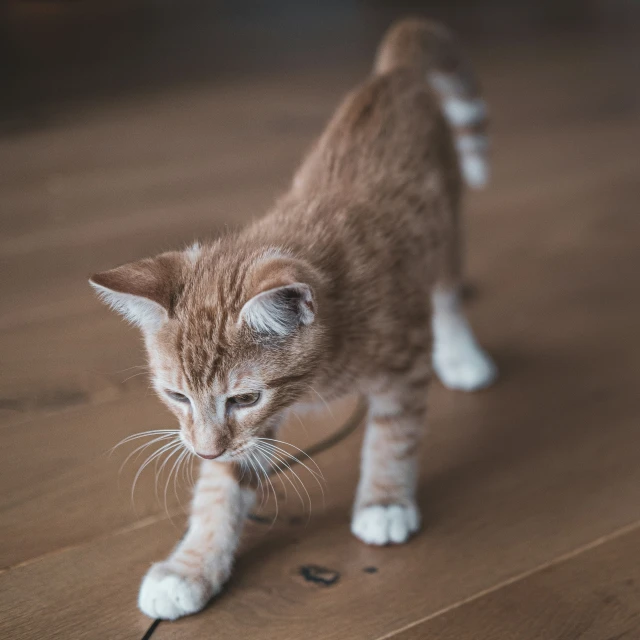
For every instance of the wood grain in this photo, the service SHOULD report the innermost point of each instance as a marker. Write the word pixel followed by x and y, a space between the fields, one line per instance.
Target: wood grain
pixel 60 486
pixel 591 596
pixel 524 488
pixel 81 592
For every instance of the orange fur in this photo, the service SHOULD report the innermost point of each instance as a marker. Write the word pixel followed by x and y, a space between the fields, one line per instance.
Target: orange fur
pixel 329 293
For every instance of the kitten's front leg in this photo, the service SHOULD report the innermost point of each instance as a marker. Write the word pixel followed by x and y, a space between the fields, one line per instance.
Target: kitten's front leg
pixel 201 563
pixel 386 511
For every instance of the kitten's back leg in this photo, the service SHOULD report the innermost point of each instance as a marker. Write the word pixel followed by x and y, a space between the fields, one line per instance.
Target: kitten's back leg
pixel 458 359
pixel 385 510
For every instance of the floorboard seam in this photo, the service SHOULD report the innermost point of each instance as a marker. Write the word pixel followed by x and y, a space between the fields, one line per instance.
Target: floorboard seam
pixel 565 557
pixel 150 631
pixel 139 524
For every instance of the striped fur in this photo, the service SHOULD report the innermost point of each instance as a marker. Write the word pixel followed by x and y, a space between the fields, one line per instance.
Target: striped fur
pixel 343 287
pixel 434 51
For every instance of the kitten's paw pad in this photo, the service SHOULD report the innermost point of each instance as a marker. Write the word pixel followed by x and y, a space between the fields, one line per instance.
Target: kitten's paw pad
pixel 166 593
pixel 385 524
pixel 465 367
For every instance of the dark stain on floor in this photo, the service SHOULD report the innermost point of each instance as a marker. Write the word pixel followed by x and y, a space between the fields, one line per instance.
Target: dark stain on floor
pixel 319 575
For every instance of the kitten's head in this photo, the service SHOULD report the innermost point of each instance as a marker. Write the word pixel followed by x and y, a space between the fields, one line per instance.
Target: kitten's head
pixel 233 337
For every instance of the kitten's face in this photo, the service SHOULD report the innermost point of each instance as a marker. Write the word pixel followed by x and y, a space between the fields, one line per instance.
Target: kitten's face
pixel 226 396
pixel 231 344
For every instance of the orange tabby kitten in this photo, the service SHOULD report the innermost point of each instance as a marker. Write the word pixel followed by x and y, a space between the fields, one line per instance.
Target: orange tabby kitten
pixel 339 289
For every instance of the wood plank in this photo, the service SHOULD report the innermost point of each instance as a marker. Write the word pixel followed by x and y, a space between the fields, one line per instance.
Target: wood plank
pixel 591 596
pixel 149 192
pixel 82 592
pixel 86 357
pixel 512 477
pixel 498 504
pixel 60 487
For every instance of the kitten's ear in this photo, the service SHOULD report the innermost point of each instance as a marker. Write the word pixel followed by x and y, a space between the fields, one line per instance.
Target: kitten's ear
pixel 281 303
pixel 144 292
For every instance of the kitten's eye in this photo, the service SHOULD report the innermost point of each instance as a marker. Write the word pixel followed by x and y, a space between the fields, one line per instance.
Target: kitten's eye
pixel 178 397
pixel 244 399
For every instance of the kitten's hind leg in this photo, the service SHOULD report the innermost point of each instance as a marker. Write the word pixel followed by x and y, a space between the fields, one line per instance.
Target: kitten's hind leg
pixel 385 510
pixel 458 359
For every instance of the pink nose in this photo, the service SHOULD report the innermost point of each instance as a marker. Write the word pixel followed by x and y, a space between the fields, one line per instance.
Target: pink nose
pixel 211 456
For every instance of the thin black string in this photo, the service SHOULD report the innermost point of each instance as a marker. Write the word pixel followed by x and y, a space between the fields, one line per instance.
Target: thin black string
pixel 352 423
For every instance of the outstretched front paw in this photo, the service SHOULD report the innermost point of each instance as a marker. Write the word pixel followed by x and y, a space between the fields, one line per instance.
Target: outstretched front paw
pixel 169 593
pixel 385 524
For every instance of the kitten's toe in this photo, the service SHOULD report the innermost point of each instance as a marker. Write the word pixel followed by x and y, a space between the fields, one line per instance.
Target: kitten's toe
pixel 168 594
pixel 385 524
pixel 465 367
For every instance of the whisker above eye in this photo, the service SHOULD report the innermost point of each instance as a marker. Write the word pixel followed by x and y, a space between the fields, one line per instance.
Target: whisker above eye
pixel 134 375
pixel 326 404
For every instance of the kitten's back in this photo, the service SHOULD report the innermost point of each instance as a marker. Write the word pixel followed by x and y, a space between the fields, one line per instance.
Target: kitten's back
pixel 421 105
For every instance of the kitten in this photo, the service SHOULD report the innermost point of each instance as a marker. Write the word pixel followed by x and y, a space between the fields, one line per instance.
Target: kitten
pixel 338 289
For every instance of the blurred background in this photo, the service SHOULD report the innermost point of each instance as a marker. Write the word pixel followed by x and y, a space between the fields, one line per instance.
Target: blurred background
pixel 128 128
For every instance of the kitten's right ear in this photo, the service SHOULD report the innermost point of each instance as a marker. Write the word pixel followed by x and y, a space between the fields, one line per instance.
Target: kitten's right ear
pixel 144 292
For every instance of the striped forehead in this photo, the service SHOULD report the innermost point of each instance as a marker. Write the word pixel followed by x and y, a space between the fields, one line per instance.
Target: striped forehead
pixel 209 307
pixel 204 352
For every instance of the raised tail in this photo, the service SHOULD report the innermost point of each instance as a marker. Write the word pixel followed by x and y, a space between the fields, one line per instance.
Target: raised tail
pixel 433 50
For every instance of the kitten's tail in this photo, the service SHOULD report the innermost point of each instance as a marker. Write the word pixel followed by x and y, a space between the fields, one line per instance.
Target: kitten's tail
pixel 432 49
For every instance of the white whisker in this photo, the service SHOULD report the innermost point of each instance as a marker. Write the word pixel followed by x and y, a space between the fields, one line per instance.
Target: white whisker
pixel 278 467
pixel 162 466
pixel 257 475
pixel 143 434
pixel 275 495
pixel 140 449
pixel 286 466
pixel 298 460
pixel 150 459
pixel 166 486
pixel 326 404
pixel 192 478
pixel 289 467
pixel 299 419
pixel 140 373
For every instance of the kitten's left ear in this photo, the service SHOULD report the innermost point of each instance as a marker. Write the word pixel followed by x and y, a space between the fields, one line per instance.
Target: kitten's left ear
pixel 283 301
pixel 144 292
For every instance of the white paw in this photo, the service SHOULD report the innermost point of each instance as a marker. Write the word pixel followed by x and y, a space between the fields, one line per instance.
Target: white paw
pixel 165 593
pixel 463 365
pixel 392 524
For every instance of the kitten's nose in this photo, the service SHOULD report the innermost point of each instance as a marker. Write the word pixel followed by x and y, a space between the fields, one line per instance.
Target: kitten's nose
pixel 211 456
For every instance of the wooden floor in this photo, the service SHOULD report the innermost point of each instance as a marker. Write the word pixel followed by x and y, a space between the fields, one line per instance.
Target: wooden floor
pixel 530 490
